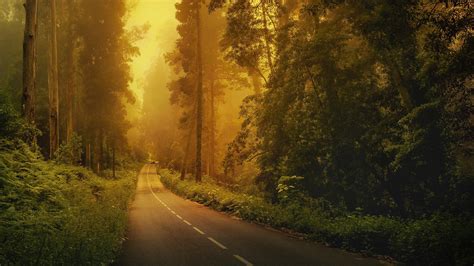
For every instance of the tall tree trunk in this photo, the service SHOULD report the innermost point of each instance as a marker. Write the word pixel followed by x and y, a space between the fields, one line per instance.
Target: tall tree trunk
pixel 400 84
pixel 88 155
pixel 101 150
pixel 98 150
pixel 184 164
pixel 113 158
pixel 69 99
pixel 70 71
pixel 267 35
pixel 53 85
pixel 199 95
pixel 212 142
pixel 29 63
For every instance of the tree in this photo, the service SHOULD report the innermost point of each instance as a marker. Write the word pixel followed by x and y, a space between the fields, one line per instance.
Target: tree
pixel 199 95
pixel 103 98
pixel 29 62
pixel 53 84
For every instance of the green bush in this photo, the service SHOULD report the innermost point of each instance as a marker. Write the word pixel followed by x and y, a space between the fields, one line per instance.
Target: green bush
pixel 436 240
pixel 12 126
pixel 55 213
pixel 70 152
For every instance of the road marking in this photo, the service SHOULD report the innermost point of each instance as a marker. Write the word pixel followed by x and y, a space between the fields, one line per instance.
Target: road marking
pixel 244 261
pixel 156 197
pixel 217 243
pixel 148 181
pixel 197 229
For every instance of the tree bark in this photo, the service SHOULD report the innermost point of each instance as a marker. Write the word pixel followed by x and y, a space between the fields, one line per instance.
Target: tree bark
pixel 98 150
pixel 29 63
pixel 70 82
pixel 113 159
pixel 212 141
pixel 400 84
pixel 184 164
pixel 88 155
pixel 53 85
pixel 199 95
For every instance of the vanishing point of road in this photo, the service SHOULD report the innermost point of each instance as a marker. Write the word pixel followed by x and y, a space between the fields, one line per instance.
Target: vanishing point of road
pixel 165 229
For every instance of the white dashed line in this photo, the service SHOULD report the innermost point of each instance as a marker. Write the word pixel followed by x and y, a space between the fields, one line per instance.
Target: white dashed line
pixel 217 243
pixel 148 181
pixel 199 231
pixel 244 261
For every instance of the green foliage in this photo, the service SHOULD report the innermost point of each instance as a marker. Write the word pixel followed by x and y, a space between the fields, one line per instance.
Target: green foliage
pixel 58 214
pixel 367 100
pixel 70 152
pixel 434 240
pixel 12 125
pixel 289 189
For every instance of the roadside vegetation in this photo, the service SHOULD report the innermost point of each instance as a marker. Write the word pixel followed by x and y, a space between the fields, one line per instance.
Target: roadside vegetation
pixel 57 213
pixel 349 121
pixel 54 213
pixel 438 239
pixel 358 131
pixel 67 172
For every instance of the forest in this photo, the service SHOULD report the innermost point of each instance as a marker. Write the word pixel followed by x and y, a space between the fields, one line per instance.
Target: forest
pixel 347 122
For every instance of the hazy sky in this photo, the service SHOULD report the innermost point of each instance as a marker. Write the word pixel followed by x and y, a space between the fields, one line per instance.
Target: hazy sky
pixel 160 14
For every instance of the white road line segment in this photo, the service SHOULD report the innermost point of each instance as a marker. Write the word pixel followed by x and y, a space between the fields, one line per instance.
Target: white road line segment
pixel 217 243
pixel 199 231
pixel 244 261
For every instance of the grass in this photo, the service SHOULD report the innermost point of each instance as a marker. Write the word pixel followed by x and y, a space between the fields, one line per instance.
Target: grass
pixel 59 214
pixel 440 239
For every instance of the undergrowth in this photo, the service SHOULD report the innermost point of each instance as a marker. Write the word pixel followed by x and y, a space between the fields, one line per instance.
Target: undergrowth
pixel 52 213
pixel 436 240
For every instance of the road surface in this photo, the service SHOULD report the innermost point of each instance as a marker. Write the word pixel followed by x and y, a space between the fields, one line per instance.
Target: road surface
pixel 165 229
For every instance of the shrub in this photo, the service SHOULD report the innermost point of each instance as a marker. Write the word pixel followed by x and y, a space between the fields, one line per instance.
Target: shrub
pixel 12 126
pixel 55 213
pixel 70 152
pixel 436 240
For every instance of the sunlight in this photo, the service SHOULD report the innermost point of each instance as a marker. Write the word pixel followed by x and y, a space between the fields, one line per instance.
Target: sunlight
pixel 127 127
pixel 160 15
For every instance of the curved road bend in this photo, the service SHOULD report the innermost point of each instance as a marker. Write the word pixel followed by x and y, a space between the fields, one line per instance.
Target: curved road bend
pixel 165 229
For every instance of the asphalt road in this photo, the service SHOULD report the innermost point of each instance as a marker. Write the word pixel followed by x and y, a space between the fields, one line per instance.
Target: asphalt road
pixel 165 229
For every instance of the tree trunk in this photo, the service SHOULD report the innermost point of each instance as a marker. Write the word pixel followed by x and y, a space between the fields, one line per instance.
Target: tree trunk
pixel 400 84
pixel 98 151
pixel 53 85
pixel 113 159
pixel 267 35
pixel 199 95
pixel 88 155
pixel 212 142
pixel 186 152
pixel 70 82
pixel 29 63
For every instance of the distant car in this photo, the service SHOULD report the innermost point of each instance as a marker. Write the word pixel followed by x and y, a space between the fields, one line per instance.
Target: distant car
pixel 154 162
